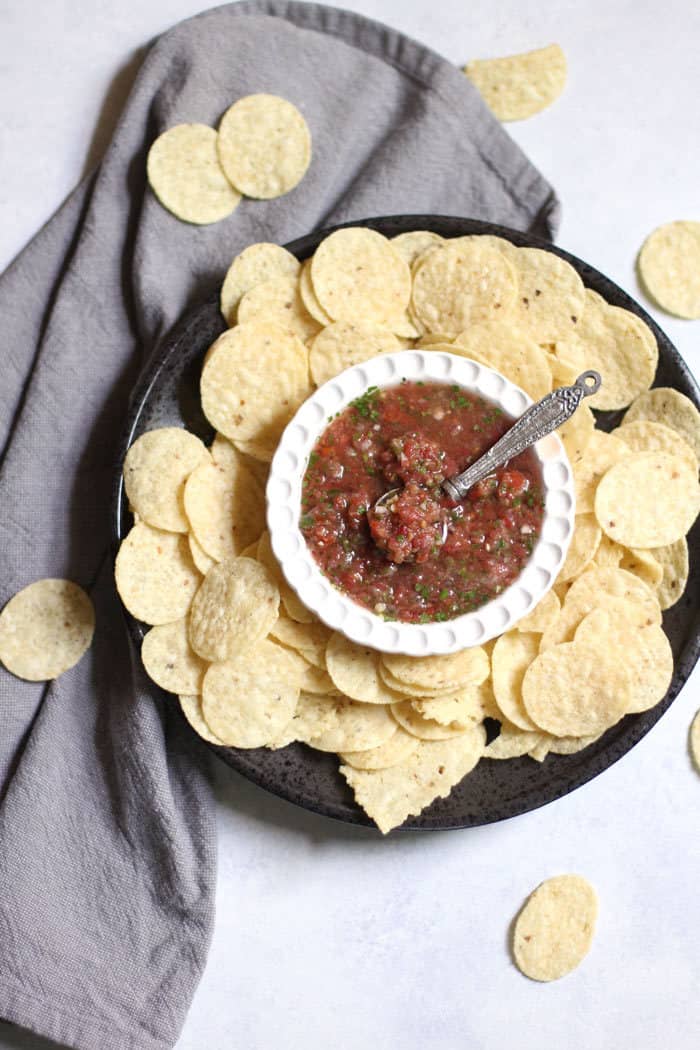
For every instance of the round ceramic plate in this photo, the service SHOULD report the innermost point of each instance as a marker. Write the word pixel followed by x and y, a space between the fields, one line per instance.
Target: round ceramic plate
pixel 168 395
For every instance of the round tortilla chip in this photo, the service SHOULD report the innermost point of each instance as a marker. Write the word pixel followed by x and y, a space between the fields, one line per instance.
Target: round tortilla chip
pixel 598 587
pixel 440 672
pixel 309 639
pixel 577 688
pixel 620 346
pixel 503 346
pixel 155 575
pixel 410 245
pixel 254 265
pixel 694 741
pixel 185 174
pixel 309 298
pixel 464 707
pixel 512 654
pixel 170 661
pixel 518 86
pixel 356 273
pixel 199 555
pixel 542 616
pixel 650 499
pixel 355 672
pixel 601 452
pixel 254 381
pixel 645 435
pixel 317 680
pixel 45 629
pixel 397 748
pixel 512 742
pixel 248 700
pixel 609 554
pixel 355 727
pixel 669 265
pixel 156 468
pixel 192 710
pixel 225 507
pixel 424 728
pixel 673 560
pixel 264 146
pixel 343 344
pixel 233 610
pixel 551 297
pixel 583 547
pixel 646 651
pixel 643 564
pixel 668 406
pixel 460 284
pixel 554 930
pixel 411 691
pixel 278 300
pixel 571 745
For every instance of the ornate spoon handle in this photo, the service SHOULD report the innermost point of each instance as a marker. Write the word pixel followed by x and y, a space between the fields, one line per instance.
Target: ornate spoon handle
pixel 538 421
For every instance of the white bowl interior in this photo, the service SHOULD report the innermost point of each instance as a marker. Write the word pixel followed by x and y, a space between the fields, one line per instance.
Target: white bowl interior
pixel 338 610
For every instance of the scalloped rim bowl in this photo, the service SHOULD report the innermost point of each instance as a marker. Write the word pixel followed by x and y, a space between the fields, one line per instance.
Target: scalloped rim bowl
pixel 339 611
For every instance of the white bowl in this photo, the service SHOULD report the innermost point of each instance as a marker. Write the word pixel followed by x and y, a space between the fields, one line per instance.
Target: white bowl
pixel 340 611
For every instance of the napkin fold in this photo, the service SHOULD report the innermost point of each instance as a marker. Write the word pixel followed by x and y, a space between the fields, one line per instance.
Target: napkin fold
pixel 107 822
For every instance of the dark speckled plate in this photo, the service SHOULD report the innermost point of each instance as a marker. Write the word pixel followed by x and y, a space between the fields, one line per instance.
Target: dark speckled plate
pixel 168 394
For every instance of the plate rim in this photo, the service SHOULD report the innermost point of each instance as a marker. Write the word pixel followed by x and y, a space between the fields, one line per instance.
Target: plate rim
pixel 239 759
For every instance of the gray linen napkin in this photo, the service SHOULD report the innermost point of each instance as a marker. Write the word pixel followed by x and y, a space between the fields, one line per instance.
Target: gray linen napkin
pixel 107 824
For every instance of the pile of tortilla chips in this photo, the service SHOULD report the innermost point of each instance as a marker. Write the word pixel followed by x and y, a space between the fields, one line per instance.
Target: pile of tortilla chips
pixel 254 668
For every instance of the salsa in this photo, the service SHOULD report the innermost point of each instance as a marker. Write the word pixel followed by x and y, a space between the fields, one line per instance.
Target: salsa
pixel 420 557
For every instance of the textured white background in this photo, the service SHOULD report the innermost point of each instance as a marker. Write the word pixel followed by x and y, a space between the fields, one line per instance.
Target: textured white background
pixel 326 936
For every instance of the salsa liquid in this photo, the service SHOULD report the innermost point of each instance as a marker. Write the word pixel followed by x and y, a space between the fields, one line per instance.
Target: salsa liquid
pixel 414 435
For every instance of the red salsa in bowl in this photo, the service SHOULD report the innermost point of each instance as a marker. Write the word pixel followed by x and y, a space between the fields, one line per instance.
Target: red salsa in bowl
pixel 420 558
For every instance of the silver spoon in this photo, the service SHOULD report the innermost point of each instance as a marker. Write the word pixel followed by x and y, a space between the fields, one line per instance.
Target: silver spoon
pixel 535 423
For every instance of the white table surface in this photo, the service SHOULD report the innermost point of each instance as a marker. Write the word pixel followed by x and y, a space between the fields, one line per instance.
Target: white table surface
pixel 326 935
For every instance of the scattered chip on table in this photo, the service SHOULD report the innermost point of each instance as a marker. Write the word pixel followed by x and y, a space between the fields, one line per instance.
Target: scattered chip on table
pixel 694 740
pixel 518 86
pixel 264 145
pixel 45 629
pixel 669 265
pixel 185 174
pixel 554 930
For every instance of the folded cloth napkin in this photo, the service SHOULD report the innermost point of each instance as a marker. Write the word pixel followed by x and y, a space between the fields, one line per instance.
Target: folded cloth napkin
pixel 107 823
